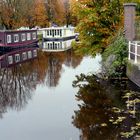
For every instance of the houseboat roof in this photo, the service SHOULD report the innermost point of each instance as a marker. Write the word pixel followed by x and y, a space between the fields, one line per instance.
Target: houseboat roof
pixel 64 28
pixel 17 30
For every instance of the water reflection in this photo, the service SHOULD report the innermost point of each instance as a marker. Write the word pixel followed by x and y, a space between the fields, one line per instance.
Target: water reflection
pixel 107 111
pixel 19 80
pixel 56 46
pixel 55 63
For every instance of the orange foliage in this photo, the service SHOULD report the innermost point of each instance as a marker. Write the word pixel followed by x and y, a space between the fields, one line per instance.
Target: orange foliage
pixel 39 13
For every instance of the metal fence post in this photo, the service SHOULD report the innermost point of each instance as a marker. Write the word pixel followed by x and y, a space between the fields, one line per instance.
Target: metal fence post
pixel 129 50
pixel 136 51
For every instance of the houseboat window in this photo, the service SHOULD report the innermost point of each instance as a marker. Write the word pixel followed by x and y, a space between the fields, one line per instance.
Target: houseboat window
pixel 24 56
pixel 48 32
pixel 35 53
pixel 17 58
pixel 58 45
pixel 9 39
pixel 23 37
pixel 16 38
pixel 57 32
pixel 48 45
pixel 55 45
pixel 29 54
pixel 60 32
pixel 34 35
pixel 28 36
pixel 10 60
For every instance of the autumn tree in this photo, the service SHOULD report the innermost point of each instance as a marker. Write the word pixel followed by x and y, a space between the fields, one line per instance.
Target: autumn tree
pixel 55 11
pixel 40 14
pixel 69 18
pixel 15 13
pixel 98 20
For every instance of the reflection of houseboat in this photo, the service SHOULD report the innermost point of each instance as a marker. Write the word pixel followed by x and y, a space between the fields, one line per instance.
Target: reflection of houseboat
pixel 17 56
pixel 17 38
pixel 58 33
pixel 57 46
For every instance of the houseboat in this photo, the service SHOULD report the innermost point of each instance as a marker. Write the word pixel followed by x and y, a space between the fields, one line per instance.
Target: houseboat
pixel 57 46
pixel 58 33
pixel 17 57
pixel 10 39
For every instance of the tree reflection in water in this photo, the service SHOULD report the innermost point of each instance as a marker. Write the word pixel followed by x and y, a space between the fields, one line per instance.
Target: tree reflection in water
pixel 106 111
pixel 55 62
pixel 16 86
pixel 18 82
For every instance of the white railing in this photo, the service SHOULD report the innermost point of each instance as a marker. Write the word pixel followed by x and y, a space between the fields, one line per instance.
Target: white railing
pixel 133 48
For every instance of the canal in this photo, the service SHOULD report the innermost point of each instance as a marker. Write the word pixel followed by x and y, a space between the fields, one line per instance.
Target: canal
pixel 43 99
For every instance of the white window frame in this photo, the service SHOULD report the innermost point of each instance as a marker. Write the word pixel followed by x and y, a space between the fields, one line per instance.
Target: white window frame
pixel 29 54
pixel 24 56
pixel 9 39
pixel 23 37
pixel 10 59
pixel 17 58
pixel 28 36
pixel 16 38
pixel 34 35
pixel 35 53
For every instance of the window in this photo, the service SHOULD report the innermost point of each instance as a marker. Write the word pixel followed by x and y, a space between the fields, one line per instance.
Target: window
pixel 55 45
pixel 52 32
pixel 23 37
pixel 9 39
pixel 35 53
pixel 61 32
pixel 50 45
pixel 10 60
pixel 57 32
pixel 28 36
pixel 34 35
pixel 16 38
pixel 58 45
pixel 47 32
pixel 29 54
pixel 17 58
pixel 24 56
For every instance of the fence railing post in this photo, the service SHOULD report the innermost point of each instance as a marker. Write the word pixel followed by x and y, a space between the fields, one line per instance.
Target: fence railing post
pixel 136 52
pixel 129 50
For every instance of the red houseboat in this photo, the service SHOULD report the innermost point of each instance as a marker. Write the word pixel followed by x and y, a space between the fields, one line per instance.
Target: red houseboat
pixel 17 57
pixel 17 39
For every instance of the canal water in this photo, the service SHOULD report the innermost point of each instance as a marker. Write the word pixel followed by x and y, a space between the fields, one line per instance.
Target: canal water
pixel 37 100
pixel 43 99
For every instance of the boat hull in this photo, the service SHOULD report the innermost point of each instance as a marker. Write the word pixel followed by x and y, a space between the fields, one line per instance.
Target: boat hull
pixel 59 39
pixel 9 47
